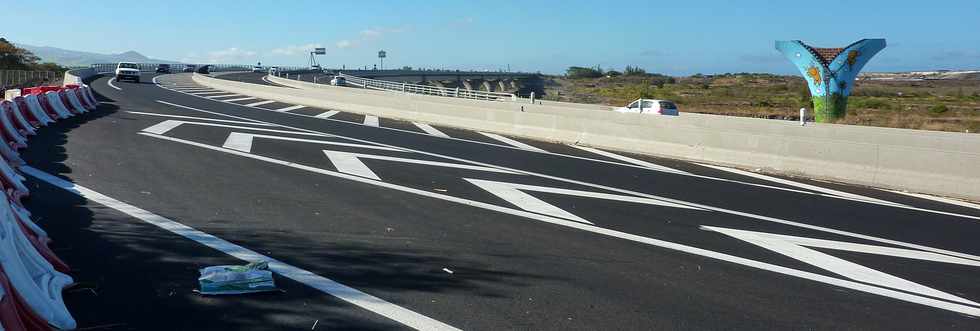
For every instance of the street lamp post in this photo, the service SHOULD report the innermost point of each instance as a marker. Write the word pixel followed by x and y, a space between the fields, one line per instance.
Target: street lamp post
pixel 381 56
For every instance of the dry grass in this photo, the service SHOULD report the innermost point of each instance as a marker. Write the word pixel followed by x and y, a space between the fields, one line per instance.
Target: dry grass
pixel 911 105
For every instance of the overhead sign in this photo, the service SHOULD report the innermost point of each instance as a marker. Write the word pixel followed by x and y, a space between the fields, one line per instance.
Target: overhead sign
pixel 382 54
pixel 320 51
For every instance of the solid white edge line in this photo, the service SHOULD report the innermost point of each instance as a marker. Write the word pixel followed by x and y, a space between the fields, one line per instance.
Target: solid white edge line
pixel 940 199
pixel 511 142
pixel 349 294
pixel 109 82
pixel 797 184
pixel 903 296
pixel 627 159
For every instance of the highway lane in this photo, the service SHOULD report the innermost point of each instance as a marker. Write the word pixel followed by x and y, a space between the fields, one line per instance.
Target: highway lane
pixel 391 207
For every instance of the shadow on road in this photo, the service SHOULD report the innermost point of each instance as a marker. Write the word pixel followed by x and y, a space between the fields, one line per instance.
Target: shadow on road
pixel 131 275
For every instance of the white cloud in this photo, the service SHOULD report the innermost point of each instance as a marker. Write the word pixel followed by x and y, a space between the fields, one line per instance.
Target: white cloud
pixel 344 44
pixel 378 32
pixel 228 55
pixel 295 49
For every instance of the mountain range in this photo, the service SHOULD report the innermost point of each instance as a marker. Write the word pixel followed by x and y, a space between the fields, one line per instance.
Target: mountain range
pixel 67 57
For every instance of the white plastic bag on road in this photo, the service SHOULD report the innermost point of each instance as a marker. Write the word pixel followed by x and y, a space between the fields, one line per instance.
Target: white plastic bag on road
pixel 236 279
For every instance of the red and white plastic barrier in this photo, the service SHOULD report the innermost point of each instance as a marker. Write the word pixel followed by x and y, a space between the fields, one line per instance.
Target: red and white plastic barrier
pixel 32 277
pixel 54 101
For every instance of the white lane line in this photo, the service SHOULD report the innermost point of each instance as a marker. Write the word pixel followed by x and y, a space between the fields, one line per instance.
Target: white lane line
pixel 289 108
pixel 201 118
pixel 800 185
pixel 243 142
pixel 163 127
pixel 113 85
pixel 239 99
pixel 430 130
pixel 371 120
pixel 327 114
pixel 637 166
pixel 903 296
pixel 940 199
pixel 512 142
pixel 351 295
pixel 206 93
pixel 628 159
pixel 625 191
pixel 223 96
pixel 266 102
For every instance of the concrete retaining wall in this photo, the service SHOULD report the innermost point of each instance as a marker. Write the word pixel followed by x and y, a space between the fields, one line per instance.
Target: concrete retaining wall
pixel 941 163
pixel 76 76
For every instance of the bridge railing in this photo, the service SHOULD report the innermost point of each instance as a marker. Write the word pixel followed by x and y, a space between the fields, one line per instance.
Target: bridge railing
pixel 23 78
pixel 425 89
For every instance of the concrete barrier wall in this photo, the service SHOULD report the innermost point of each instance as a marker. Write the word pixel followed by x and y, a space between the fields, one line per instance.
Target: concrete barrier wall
pixel 76 76
pixel 941 163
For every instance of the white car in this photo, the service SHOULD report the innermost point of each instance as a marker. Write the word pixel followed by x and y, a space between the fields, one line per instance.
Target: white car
pixel 650 106
pixel 338 81
pixel 128 70
pixel 257 69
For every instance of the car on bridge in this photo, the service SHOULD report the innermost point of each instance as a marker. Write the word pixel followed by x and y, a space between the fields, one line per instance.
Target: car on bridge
pixel 163 68
pixel 338 81
pixel 650 106
pixel 190 68
pixel 128 70
pixel 257 69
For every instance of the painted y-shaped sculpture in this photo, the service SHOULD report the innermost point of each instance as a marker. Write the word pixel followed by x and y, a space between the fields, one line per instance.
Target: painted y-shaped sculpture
pixel 830 72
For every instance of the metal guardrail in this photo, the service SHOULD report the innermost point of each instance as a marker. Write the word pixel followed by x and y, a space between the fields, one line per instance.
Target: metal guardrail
pixel 425 89
pixel 179 67
pixel 22 78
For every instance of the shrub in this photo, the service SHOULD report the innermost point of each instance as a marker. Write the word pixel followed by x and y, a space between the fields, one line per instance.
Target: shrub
pixel 582 72
pixel 634 71
pixel 938 109
pixel 869 103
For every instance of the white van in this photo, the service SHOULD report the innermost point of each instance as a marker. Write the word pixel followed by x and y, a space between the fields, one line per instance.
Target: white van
pixel 650 106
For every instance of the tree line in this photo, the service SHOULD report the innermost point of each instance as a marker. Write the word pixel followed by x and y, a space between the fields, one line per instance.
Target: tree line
pixel 16 58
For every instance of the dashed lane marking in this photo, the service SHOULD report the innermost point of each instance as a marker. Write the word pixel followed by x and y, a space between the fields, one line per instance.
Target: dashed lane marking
pixel 627 159
pixel 327 114
pixel 512 142
pixel 290 108
pixel 266 102
pixel 430 130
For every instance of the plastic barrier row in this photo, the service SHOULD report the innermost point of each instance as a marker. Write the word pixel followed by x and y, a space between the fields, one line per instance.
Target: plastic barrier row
pixel 32 277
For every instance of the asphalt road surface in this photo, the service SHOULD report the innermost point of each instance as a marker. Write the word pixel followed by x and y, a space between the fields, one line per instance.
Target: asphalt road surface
pixel 378 223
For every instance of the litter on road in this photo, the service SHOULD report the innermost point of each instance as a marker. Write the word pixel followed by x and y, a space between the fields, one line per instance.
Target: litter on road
pixel 237 279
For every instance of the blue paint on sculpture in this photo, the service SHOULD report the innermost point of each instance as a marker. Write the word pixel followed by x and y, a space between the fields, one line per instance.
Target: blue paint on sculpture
pixel 830 72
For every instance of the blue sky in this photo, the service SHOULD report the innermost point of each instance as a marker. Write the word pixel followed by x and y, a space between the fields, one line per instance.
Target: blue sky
pixel 675 37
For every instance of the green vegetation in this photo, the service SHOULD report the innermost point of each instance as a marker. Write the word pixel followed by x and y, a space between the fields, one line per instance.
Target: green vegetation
pixel 901 104
pixel 582 72
pixel 16 58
